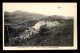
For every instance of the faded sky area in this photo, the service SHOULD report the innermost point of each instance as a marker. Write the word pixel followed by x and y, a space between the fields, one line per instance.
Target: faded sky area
pixel 64 9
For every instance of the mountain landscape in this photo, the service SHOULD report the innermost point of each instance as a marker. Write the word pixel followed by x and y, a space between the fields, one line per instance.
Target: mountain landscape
pixel 60 35
pixel 18 17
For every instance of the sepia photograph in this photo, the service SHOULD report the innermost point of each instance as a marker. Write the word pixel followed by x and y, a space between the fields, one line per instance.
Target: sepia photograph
pixel 39 26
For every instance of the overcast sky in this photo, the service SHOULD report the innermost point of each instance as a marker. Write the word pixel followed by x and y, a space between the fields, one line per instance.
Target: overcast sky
pixel 65 9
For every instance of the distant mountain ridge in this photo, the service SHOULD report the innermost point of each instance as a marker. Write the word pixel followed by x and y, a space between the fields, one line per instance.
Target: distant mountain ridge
pixel 17 17
pixel 21 16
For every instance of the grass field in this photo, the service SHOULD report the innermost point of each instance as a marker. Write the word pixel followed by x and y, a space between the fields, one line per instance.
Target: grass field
pixel 61 35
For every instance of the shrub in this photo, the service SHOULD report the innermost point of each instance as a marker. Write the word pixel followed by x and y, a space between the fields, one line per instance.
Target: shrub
pixel 43 29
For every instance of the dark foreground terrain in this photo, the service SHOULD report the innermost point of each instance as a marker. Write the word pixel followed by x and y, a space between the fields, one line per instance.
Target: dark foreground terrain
pixel 61 35
pixel 55 36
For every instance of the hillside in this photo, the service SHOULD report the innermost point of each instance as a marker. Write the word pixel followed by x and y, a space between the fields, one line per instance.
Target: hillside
pixel 18 17
pixel 61 35
pixel 56 36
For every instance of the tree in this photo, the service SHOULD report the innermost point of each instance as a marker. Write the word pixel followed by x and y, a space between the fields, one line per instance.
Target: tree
pixel 43 29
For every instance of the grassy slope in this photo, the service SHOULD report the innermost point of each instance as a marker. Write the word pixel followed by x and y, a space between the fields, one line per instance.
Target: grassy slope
pixel 18 17
pixel 56 36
